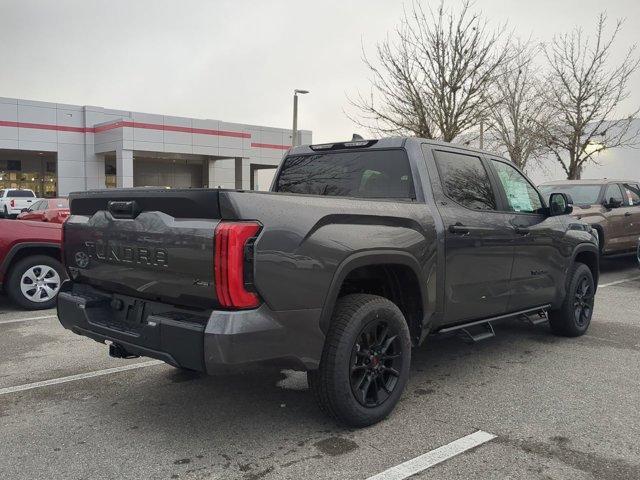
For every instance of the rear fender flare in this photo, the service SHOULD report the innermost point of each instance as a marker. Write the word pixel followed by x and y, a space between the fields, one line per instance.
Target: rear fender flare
pixel 362 259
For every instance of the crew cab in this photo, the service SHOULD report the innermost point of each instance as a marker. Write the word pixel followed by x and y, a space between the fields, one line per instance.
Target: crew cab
pixel 611 207
pixel 14 200
pixel 360 251
pixel 54 210
pixel 30 270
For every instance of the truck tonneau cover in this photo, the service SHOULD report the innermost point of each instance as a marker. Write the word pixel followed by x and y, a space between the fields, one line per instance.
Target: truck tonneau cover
pixel 178 203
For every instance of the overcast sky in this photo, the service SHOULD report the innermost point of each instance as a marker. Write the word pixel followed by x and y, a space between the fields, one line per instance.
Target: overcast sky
pixel 235 60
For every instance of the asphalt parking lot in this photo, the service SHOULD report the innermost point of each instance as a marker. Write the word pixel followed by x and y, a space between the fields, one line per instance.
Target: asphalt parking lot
pixel 559 408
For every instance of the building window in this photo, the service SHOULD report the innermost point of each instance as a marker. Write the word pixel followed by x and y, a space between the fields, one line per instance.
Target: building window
pixel 110 172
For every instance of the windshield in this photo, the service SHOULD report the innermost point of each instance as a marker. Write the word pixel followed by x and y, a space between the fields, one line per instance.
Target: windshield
pixel 580 194
pixel 367 174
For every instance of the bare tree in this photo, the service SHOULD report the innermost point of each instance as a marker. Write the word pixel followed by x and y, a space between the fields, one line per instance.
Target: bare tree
pixel 585 90
pixel 516 110
pixel 432 78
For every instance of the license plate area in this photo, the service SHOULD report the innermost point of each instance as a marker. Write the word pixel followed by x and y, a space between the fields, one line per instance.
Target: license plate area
pixel 156 326
pixel 126 311
pixel 122 314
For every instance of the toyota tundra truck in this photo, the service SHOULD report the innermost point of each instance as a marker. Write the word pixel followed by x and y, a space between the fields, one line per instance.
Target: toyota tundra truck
pixel 359 252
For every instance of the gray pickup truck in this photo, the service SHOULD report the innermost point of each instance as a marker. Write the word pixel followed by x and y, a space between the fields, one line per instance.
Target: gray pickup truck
pixel 360 251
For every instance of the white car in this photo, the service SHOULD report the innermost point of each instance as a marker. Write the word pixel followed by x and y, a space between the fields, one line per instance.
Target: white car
pixel 13 200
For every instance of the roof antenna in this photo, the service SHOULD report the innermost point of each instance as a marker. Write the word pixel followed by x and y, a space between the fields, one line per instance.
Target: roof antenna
pixel 356 137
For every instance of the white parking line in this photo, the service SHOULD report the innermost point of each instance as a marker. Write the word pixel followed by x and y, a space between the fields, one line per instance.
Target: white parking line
pixel 81 376
pixel 617 282
pixel 16 320
pixel 434 457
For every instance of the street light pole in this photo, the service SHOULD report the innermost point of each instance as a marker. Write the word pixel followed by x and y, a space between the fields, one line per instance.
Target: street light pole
pixel 294 132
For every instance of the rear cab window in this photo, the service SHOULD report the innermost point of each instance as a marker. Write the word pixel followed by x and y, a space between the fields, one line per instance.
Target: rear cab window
pixel 20 194
pixel 362 174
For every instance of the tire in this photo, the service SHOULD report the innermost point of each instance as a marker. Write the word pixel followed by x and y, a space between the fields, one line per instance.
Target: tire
pixel 355 363
pixel 26 272
pixel 5 212
pixel 573 318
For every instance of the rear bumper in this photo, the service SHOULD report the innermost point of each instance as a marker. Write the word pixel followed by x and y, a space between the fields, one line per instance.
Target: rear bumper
pixel 211 342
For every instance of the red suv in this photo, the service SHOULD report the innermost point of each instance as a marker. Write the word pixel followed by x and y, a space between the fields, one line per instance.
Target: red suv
pixel 54 210
pixel 30 268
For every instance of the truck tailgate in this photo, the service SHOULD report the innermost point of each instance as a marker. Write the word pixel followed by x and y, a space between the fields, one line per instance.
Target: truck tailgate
pixel 153 244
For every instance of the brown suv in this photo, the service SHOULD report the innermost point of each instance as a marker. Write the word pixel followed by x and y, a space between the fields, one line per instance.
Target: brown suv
pixel 612 207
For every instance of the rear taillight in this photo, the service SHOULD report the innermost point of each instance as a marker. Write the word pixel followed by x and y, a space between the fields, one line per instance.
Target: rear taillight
pixel 233 264
pixel 12 203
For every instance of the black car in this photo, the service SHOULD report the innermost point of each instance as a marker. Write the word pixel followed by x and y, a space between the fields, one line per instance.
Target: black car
pixel 360 251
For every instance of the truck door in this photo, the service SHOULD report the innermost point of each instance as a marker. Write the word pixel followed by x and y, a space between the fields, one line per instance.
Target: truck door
pixel 616 215
pixel 538 263
pixel 632 213
pixel 478 248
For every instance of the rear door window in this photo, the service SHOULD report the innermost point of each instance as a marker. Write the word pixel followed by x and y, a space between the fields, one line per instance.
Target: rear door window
pixel 364 174
pixel 465 180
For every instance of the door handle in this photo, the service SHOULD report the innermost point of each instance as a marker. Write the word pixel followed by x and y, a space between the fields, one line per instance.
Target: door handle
pixel 522 231
pixel 459 229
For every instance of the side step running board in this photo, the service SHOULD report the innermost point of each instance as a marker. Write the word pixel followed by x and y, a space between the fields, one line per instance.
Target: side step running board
pixel 477 333
pixel 536 318
pixel 482 329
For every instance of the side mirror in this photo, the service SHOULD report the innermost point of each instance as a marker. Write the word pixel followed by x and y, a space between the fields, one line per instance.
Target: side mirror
pixel 613 203
pixel 560 204
pixel 24 210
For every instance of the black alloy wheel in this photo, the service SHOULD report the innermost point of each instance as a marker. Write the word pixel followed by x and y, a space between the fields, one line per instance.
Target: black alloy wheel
pixel 376 363
pixel 583 302
pixel 573 317
pixel 365 361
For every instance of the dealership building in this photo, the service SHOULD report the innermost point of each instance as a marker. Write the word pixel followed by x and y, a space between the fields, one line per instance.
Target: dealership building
pixel 55 149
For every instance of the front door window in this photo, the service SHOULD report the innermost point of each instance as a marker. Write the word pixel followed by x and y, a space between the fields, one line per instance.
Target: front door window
pixel 522 197
pixel 613 194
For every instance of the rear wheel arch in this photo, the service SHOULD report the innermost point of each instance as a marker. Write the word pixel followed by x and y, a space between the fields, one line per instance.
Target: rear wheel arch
pixel 389 267
pixel 24 250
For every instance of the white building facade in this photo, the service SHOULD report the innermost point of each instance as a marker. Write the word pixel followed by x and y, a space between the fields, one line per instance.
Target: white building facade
pixel 55 149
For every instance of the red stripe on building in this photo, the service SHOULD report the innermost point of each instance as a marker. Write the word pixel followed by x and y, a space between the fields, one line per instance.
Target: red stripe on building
pixel 44 126
pixel 107 127
pixel 120 124
pixel 149 126
pixel 270 145
pixel 176 128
